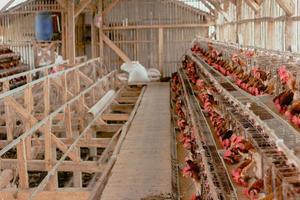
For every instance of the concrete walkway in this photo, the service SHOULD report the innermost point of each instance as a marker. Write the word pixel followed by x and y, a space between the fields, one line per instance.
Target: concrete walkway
pixel 143 167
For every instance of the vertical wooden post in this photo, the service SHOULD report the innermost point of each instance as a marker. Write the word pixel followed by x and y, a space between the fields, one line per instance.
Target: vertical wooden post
pixel 50 156
pixel 63 34
pixel 46 90
pixel 271 30
pixel 257 31
pixel 9 119
pixel 94 38
pixel 71 33
pixel 22 165
pixel 271 35
pixel 28 99
pixel 288 34
pixel 67 110
pixel 77 178
pixel 101 44
pixel 160 49
pixel 238 17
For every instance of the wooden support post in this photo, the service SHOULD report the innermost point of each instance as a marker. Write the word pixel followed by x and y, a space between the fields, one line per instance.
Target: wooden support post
pixel 77 175
pixel 62 3
pixel 257 31
pixel 46 92
pixel 9 119
pixel 63 34
pixel 28 99
pixel 23 113
pixel 238 17
pixel 67 110
pixel 22 165
pixel 50 156
pixel 271 35
pixel 71 47
pixel 100 13
pixel 160 49
pixel 289 32
pixel 93 39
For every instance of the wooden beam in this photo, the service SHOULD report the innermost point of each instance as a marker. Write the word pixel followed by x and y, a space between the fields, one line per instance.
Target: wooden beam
pixel 288 6
pixel 252 4
pixel 63 147
pixel 257 31
pixel 61 194
pixel 110 128
pixel 62 3
pixel 81 6
pixel 238 17
pixel 289 32
pixel 50 156
pixel 115 117
pixel 160 49
pixel 101 43
pixel 22 165
pixel 212 10
pixel 270 35
pixel 9 118
pixel 259 2
pixel 233 2
pixel 116 49
pixel 25 115
pixel 158 26
pixel 110 7
pixel 71 47
pixel 123 108
pixel 220 10
pixel 85 78
pixel 41 165
pixel 93 142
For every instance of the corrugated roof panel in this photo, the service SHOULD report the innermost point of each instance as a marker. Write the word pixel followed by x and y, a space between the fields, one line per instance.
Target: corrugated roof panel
pixel 196 4
pixel 15 3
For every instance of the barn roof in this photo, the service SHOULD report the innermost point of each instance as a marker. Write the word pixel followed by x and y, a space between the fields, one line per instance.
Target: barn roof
pixel 8 4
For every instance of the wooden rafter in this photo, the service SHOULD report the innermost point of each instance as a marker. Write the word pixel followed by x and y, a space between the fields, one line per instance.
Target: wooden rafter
pixel 116 49
pixel 220 10
pixel 212 10
pixel 81 6
pixel 7 5
pixel 185 6
pixel 253 5
pixel 259 2
pixel 62 3
pixel 233 2
pixel 110 7
pixel 288 6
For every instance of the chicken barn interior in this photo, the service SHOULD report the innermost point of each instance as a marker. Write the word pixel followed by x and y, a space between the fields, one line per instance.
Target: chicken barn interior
pixel 150 100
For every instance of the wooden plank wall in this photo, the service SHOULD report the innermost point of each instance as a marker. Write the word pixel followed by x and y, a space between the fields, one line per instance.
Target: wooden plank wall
pixel 142 43
pixel 17 27
pixel 269 31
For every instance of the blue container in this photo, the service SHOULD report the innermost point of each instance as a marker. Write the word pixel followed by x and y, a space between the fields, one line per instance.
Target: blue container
pixel 43 26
